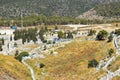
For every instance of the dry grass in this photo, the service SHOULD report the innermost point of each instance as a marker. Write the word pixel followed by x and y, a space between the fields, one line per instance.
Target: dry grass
pixel 72 61
pixel 13 68
pixel 115 65
pixel 116 78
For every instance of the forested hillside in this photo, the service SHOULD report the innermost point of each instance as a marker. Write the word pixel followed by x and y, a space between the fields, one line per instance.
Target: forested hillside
pixel 109 10
pixel 70 8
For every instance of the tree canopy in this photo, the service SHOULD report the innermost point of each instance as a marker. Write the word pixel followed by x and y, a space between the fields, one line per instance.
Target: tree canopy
pixel 102 35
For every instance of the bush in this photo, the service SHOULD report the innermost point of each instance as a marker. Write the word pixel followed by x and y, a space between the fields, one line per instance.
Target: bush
pixel 22 54
pixel 70 35
pixel 110 38
pixel 60 34
pixel 117 31
pixel 91 32
pixel 41 65
pixel 110 52
pixel 92 63
pixel 16 53
pixel 102 35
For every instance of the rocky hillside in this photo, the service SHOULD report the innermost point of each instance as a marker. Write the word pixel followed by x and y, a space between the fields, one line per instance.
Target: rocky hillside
pixel 103 11
pixel 11 69
pixel 70 8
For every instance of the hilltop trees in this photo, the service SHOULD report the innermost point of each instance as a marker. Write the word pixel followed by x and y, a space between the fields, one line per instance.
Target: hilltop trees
pixel 109 9
pixel 102 35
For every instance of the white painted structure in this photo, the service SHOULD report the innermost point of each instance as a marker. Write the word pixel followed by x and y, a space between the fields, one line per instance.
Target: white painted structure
pixel 6 31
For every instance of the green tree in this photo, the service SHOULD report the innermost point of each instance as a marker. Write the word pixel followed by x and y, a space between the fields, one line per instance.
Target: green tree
pixel 41 34
pixel 15 44
pixel 56 28
pixel 3 41
pixel 110 38
pixel 46 29
pixel 10 38
pixel 91 32
pixel 1 47
pixel 117 31
pixel 22 54
pixel 60 34
pixel 102 35
pixel 110 52
pixel 16 53
pixel 92 63
pixel 41 65
pixel 69 35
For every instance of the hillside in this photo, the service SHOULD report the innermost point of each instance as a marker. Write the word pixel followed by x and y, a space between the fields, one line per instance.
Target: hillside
pixel 72 62
pixel 70 8
pixel 103 11
pixel 11 69
pixel 109 10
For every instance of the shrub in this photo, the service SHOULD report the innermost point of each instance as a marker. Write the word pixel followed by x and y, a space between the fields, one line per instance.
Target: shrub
pixel 92 63
pixel 117 31
pixel 91 32
pixel 110 38
pixel 16 53
pixel 22 54
pixel 102 35
pixel 41 65
pixel 110 52
pixel 60 34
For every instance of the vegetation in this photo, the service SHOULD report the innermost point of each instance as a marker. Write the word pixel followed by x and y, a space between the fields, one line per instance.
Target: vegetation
pixel 26 35
pixel 60 34
pixel 41 65
pixel 70 8
pixel 114 65
pixel 2 41
pixel 110 52
pixel 110 38
pixel 102 35
pixel 91 32
pixel 117 31
pixel 92 63
pixel 69 35
pixel 1 47
pixel 21 55
pixel 72 61
pixel 16 53
pixel 109 9
pixel 11 68
pixel 41 35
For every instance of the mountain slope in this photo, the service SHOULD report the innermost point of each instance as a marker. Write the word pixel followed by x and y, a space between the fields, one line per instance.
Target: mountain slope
pixel 71 8
pixel 103 11
pixel 109 10
pixel 11 69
